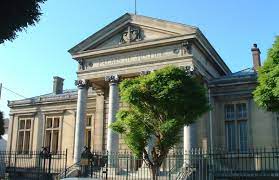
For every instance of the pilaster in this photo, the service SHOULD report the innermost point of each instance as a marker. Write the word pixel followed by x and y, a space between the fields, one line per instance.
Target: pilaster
pixel 10 133
pixel 99 122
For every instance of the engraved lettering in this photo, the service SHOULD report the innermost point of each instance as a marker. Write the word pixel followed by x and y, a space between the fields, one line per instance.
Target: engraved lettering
pixel 133 57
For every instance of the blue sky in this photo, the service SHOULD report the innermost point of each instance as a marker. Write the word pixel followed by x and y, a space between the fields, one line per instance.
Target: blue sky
pixel 39 53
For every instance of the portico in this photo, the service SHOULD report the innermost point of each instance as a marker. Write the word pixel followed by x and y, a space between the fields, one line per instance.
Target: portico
pixel 125 48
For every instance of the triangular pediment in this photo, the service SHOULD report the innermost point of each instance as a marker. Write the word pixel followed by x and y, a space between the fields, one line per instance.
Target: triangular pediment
pixel 131 28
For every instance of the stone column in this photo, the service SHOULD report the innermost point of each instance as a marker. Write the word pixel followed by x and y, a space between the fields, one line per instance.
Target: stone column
pixel 99 122
pixel 189 141
pixel 112 137
pixel 189 137
pixel 82 86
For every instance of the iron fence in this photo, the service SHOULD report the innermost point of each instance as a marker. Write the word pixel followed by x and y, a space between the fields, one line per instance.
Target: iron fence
pixel 262 163
pixel 197 164
pixel 32 164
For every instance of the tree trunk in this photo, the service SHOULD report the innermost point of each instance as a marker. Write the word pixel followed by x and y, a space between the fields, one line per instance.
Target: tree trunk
pixel 154 172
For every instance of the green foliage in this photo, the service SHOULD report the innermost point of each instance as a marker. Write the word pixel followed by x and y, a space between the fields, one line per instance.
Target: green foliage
pixel 130 124
pixel 16 15
pixel 160 105
pixel 266 94
pixel 2 130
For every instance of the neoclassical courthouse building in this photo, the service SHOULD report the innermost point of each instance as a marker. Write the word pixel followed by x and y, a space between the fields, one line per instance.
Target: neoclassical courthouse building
pixel 128 47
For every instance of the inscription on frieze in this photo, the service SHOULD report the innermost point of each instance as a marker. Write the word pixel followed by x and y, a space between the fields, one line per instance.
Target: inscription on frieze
pixel 134 57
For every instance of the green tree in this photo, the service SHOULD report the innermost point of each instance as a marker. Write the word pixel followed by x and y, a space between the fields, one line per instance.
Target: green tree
pixel 266 93
pixel 2 130
pixel 160 105
pixel 16 15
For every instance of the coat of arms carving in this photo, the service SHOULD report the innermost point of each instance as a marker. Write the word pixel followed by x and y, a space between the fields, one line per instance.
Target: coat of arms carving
pixel 131 34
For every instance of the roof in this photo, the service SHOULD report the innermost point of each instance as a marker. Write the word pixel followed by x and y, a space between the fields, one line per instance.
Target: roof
pixel 244 72
pixel 67 94
pixel 248 74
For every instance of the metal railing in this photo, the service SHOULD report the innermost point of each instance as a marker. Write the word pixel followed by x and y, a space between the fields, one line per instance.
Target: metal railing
pixel 254 162
pixel 124 165
pixel 32 164
pixel 196 164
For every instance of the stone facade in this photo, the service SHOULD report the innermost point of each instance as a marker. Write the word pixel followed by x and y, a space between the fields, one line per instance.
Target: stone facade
pixel 126 48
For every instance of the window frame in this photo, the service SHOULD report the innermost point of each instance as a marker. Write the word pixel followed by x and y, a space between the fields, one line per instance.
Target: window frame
pixel 89 127
pixel 237 120
pixel 49 128
pixel 24 131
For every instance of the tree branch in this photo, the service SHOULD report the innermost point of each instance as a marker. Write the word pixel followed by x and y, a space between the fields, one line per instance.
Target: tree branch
pixel 146 159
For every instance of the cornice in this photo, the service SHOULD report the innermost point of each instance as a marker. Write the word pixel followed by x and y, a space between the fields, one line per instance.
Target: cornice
pixel 47 100
pixel 50 112
pixel 233 81
pixel 42 100
pixel 141 45
pixel 115 26
pixel 24 113
pixel 202 68
pixel 99 34
pixel 230 94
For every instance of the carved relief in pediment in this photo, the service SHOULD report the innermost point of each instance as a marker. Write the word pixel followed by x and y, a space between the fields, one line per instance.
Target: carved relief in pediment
pixel 131 34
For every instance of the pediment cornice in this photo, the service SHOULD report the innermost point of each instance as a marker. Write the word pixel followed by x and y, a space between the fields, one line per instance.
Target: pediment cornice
pixel 120 25
pixel 130 47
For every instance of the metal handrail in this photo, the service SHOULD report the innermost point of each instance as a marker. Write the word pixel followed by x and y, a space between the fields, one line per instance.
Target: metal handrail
pixel 63 174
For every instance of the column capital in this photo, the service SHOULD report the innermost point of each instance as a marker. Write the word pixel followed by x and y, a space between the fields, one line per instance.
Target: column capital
pixel 187 47
pixel 142 73
pixel 191 70
pixel 112 78
pixel 82 83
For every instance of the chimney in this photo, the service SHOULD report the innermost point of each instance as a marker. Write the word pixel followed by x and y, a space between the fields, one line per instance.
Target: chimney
pixel 256 53
pixel 57 85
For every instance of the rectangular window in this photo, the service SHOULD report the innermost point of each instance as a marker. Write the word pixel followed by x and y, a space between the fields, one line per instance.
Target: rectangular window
pixel 230 136
pixel 88 138
pixel 236 126
pixel 56 122
pixel 241 111
pixel 52 133
pixel 22 124
pixel 88 121
pixel 242 134
pixel 49 123
pixel 229 112
pixel 20 141
pixel 55 139
pixel 27 140
pixel 88 131
pixel 24 135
